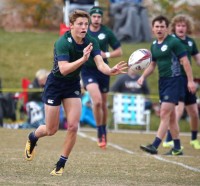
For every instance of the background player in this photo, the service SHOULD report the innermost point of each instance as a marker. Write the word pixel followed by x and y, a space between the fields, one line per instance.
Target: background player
pixel 168 53
pixel 96 82
pixel 181 27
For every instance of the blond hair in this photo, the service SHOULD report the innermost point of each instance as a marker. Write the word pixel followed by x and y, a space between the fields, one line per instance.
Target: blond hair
pixel 76 14
pixel 182 18
pixel 42 74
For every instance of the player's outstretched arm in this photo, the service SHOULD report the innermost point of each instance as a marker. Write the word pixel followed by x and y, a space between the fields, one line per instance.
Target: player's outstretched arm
pixel 119 68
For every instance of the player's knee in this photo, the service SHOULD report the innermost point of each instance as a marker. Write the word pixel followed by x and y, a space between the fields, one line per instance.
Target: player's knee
pixel 97 104
pixel 167 112
pixel 72 128
pixel 164 114
pixel 51 132
pixel 193 112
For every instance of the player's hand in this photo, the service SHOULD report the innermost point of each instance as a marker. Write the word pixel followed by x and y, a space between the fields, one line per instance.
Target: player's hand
pixel 192 86
pixel 86 52
pixel 119 68
pixel 140 80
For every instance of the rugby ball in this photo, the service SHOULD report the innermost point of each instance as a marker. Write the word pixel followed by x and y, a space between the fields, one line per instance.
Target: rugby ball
pixel 139 60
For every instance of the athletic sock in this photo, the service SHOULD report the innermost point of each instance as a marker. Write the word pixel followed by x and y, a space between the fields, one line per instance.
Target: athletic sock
pixel 99 131
pixel 62 161
pixel 104 131
pixel 194 135
pixel 32 137
pixel 169 136
pixel 177 144
pixel 156 142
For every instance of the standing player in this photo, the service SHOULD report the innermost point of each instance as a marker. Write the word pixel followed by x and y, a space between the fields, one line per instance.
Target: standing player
pixel 71 51
pixel 181 26
pixel 168 53
pixel 96 82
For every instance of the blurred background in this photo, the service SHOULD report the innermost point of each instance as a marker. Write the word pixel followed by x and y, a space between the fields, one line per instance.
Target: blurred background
pixel 29 28
pixel 19 15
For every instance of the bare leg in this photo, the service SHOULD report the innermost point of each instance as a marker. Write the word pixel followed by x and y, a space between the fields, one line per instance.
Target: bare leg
pixel 99 111
pixel 179 110
pixel 165 114
pixel 104 107
pixel 173 125
pixel 72 108
pixel 192 111
pixel 51 127
pixel 96 97
pixel 52 122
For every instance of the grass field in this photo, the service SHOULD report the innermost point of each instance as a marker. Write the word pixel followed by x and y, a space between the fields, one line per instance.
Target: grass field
pixel 22 54
pixel 121 164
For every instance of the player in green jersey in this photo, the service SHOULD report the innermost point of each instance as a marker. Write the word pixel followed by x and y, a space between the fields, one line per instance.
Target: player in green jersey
pixel 168 54
pixel 96 82
pixel 181 27
pixel 71 51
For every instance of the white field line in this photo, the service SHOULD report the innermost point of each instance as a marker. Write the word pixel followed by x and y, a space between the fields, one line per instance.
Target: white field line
pixel 82 129
pixel 110 144
pixel 83 135
pixel 177 163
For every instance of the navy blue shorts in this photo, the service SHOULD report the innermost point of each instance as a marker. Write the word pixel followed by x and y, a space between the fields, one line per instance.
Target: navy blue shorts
pixel 93 75
pixel 56 89
pixel 169 89
pixel 187 97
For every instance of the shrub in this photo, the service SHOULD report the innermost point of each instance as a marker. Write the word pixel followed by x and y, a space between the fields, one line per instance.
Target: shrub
pixel 39 13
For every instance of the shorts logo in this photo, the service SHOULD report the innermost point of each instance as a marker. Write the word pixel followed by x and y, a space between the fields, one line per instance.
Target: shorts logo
pixel 166 97
pixel 90 80
pixel 50 101
pixel 105 89
pixel 77 92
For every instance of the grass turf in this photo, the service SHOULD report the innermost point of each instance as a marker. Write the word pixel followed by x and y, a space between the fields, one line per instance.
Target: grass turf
pixel 90 165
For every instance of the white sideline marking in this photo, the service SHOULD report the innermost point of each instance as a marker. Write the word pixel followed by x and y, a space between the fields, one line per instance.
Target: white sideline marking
pixel 120 148
pixel 177 163
pixel 131 152
pixel 110 144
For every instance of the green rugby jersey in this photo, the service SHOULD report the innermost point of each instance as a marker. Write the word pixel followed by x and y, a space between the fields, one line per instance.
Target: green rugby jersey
pixel 166 55
pixel 105 37
pixel 191 48
pixel 66 49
